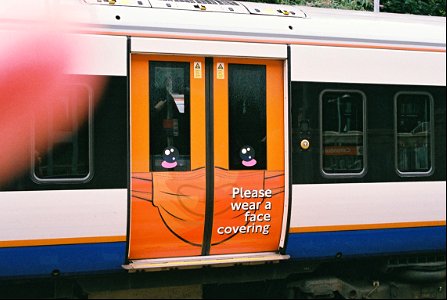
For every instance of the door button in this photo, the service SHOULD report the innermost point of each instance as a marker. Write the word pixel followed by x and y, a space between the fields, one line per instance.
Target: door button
pixel 305 144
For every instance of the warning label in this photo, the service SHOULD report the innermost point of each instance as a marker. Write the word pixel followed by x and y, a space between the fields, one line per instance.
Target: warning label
pixel 220 74
pixel 197 70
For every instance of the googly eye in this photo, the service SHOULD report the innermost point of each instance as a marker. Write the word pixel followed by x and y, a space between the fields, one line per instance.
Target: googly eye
pixel 167 152
pixel 244 151
pixel 172 149
pixel 248 149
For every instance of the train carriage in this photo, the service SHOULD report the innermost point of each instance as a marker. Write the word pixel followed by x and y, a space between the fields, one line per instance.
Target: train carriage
pixel 233 133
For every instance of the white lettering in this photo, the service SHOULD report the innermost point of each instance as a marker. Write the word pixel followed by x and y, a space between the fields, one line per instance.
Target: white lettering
pixel 235 206
pixel 235 192
pixel 251 193
pixel 251 217
pixel 253 228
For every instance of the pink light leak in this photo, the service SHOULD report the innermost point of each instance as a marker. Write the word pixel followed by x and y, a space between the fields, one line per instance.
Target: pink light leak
pixel 33 60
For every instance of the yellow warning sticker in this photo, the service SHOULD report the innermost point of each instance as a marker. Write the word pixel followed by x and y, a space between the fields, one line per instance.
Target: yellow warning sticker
pixel 220 74
pixel 197 70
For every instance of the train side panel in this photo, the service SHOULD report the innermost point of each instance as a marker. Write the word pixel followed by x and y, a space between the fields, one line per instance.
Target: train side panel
pixel 366 131
pixel 372 181
pixel 56 224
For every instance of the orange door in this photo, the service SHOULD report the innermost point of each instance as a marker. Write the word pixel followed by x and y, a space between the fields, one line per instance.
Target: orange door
pixel 207 156
pixel 167 156
pixel 249 156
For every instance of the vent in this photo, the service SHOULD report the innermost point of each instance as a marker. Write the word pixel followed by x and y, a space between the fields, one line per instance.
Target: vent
pixel 201 5
pixel 136 3
pixel 406 261
pixel 273 9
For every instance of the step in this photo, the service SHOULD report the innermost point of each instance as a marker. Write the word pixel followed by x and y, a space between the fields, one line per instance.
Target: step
pixel 199 261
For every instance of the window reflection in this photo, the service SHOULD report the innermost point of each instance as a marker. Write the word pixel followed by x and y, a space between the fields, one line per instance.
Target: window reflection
pixel 247 118
pixel 169 116
pixel 343 132
pixel 413 132
pixel 69 157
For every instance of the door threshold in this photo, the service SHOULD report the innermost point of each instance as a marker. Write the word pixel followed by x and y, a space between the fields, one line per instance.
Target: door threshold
pixel 199 261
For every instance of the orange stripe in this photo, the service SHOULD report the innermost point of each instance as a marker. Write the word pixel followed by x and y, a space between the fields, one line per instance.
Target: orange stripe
pixel 197 117
pixel 221 120
pixel 268 41
pixel 275 115
pixel 366 226
pixel 139 95
pixel 63 241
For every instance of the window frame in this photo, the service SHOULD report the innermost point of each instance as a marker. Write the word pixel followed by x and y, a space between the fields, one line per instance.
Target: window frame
pixel 231 128
pixel 90 131
pixel 364 139
pixel 431 139
pixel 151 69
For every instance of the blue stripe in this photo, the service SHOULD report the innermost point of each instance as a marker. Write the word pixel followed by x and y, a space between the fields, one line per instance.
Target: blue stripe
pixel 366 242
pixel 68 259
pixel 85 258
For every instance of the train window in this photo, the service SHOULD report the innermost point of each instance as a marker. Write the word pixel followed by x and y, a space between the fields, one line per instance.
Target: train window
pixel 69 157
pixel 169 116
pixel 343 135
pixel 247 117
pixel 414 132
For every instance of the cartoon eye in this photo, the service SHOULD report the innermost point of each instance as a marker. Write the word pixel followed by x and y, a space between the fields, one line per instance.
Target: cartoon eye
pixel 247 153
pixel 170 154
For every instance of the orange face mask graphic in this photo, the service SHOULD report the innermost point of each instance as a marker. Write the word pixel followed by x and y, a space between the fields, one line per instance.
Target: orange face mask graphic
pixel 247 210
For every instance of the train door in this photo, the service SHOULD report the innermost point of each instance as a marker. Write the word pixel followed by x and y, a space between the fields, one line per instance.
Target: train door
pixel 248 155
pixel 207 156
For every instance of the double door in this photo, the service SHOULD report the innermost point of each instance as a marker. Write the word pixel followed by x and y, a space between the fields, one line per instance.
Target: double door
pixel 207 156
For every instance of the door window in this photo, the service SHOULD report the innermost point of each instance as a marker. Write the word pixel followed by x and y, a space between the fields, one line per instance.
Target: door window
pixel 247 118
pixel 169 116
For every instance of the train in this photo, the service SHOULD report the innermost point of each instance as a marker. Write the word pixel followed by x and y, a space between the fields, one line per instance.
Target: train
pixel 235 142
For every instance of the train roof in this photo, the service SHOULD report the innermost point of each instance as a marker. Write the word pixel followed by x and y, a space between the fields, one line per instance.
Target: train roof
pixel 256 22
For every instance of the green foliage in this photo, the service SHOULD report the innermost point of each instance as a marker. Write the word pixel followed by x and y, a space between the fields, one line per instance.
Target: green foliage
pixel 417 7
pixel 341 4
